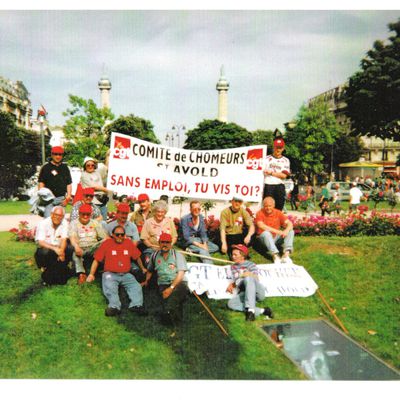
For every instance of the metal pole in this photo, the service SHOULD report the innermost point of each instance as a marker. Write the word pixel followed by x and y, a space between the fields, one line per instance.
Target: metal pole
pixel 42 139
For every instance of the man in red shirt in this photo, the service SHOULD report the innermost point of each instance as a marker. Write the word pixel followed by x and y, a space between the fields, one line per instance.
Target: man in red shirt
pixel 117 253
pixel 272 228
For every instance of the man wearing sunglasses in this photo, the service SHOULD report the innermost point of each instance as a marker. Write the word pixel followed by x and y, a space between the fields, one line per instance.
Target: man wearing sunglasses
pixel 85 235
pixel 88 195
pixel 117 253
pixel 56 176
pixel 170 267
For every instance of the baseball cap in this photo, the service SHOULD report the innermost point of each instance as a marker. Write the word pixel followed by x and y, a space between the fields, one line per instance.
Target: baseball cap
pixel 85 208
pixel 142 197
pixel 57 149
pixel 279 143
pixel 123 207
pixel 242 248
pixel 237 198
pixel 88 190
pixel 165 237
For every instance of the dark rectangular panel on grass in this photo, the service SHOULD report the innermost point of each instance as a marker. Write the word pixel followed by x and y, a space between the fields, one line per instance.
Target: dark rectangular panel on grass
pixel 322 352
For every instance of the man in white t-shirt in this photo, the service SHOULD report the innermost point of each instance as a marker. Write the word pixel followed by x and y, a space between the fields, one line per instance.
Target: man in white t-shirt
pixel 355 197
pixel 52 254
pixel 277 169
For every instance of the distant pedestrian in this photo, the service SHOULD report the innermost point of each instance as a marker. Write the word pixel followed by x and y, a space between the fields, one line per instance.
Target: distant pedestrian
pixel 56 176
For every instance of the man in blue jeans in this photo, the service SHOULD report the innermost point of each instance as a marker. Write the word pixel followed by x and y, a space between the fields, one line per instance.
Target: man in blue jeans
pixel 117 253
pixel 245 279
pixel 194 233
pixel 274 228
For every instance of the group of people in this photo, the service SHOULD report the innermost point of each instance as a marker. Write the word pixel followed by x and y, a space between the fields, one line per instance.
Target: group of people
pixel 136 249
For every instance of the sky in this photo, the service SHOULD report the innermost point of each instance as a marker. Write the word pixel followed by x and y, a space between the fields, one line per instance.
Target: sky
pixel 164 64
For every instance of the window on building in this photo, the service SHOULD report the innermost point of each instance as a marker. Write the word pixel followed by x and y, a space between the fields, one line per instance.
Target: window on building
pixel 384 155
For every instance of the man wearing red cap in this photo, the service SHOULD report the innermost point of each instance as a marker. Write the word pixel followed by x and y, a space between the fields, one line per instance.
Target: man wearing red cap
pixel 277 169
pixel 88 195
pixel 170 267
pixel 145 212
pixel 56 176
pixel 246 285
pixel 131 232
pixel 85 235
pixel 117 254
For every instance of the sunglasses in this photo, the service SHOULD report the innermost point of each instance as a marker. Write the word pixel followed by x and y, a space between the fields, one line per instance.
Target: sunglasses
pixel 89 195
pixel 85 214
pixel 57 154
pixel 119 234
pixel 90 165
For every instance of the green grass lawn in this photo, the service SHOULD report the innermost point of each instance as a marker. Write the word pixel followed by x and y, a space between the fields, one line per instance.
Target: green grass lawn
pixel 61 331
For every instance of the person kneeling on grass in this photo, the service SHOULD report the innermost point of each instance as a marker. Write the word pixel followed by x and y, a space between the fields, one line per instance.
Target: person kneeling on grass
pixel 170 266
pixel 117 253
pixel 245 278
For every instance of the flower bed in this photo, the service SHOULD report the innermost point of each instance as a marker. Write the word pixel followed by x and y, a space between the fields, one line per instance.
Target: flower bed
pixel 377 224
pixel 23 233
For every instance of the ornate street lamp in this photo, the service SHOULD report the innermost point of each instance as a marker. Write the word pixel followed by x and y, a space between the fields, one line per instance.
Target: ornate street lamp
pixel 179 129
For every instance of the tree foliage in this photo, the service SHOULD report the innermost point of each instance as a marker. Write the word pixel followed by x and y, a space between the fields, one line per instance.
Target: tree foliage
pixel 84 130
pixel 214 134
pixel 20 153
pixel 263 137
pixel 373 95
pixel 133 126
pixel 315 127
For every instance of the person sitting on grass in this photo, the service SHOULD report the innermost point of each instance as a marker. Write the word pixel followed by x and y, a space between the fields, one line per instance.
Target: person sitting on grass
pixel 250 290
pixel 88 195
pixel 52 254
pixel 153 227
pixel 233 219
pixel 194 234
pixel 85 235
pixel 117 253
pixel 269 222
pixel 170 267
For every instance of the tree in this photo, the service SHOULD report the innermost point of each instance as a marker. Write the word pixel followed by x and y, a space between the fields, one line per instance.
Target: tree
pixel 84 129
pixel 345 149
pixel 20 153
pixel 315 127
pixel 373 95
pixel 214 134
pixel 133 126
pixel 263 137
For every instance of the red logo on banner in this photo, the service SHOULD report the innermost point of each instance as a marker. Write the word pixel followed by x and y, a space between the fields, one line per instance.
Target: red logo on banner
pixel 254 159
pixel 122 147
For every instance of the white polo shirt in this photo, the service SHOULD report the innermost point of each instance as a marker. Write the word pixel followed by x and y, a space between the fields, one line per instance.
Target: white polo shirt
pixel 274 164
pixel 46 232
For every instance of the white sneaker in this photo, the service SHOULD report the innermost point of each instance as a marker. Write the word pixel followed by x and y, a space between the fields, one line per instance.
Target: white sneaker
pixel 277 259
pixel 286 260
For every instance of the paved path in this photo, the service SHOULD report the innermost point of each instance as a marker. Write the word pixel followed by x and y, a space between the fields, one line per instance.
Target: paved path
pixel 8 222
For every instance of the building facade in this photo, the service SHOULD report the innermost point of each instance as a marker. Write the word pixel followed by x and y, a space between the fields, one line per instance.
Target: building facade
pixel 376 150
pixel 14 99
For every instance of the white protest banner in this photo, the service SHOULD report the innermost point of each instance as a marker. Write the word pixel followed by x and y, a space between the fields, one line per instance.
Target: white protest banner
pixel 278 280
pixel 136 166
